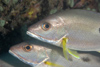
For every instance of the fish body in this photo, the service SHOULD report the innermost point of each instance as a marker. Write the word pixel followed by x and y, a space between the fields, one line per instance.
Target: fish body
pixel 35 56
pixel 81 27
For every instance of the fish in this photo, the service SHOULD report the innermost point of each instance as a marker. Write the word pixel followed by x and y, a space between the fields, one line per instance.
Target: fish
pixel 81 27
pixel 26 56
pixel 33 55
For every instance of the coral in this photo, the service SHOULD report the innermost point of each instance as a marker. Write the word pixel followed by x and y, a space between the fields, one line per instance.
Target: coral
pixel 1 8
pixel 55 5
pixel 53 10
pixel 32 11
pixel 15 13
pixel 2 22
pixel 88 4
pixel 71 3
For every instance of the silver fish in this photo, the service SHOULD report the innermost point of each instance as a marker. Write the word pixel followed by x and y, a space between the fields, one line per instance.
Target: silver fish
pixel 32 54
pixel 37 54
pixel 81 27
pixel 34 57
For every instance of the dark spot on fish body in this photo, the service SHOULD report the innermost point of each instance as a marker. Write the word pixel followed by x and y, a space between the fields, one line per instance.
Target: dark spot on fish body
pixel 99 30
pixel 85 59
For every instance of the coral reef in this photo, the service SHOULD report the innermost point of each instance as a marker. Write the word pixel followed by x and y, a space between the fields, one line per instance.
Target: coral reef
pixel 88 4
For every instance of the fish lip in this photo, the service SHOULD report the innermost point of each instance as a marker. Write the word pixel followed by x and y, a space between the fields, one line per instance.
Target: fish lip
pixel 41 38
pixel 24 60
pixel 20 58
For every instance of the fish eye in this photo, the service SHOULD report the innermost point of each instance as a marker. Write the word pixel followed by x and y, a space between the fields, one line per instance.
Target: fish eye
pixel 46 26
pixel 28 48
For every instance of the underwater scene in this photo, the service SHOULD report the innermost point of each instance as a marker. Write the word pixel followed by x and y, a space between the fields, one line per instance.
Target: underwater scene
pixel 49 33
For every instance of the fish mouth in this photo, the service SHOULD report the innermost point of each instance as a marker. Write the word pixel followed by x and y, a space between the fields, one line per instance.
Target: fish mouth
pixel 21 58
pixel 54 42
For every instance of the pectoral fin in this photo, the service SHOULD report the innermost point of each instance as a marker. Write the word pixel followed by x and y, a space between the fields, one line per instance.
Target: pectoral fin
pixel 67 51
pixel 52 64
pixel 73 53
pixel 64 48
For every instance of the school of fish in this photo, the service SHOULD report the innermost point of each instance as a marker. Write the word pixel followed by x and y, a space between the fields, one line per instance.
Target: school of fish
pixel 73 30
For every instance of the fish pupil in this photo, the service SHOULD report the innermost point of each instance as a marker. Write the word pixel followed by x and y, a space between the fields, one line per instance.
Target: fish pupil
pixel 47 26
pixel 28 47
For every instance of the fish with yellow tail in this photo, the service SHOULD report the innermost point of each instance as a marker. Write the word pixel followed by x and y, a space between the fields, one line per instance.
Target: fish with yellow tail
pixel 82 27
pixel 34 55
